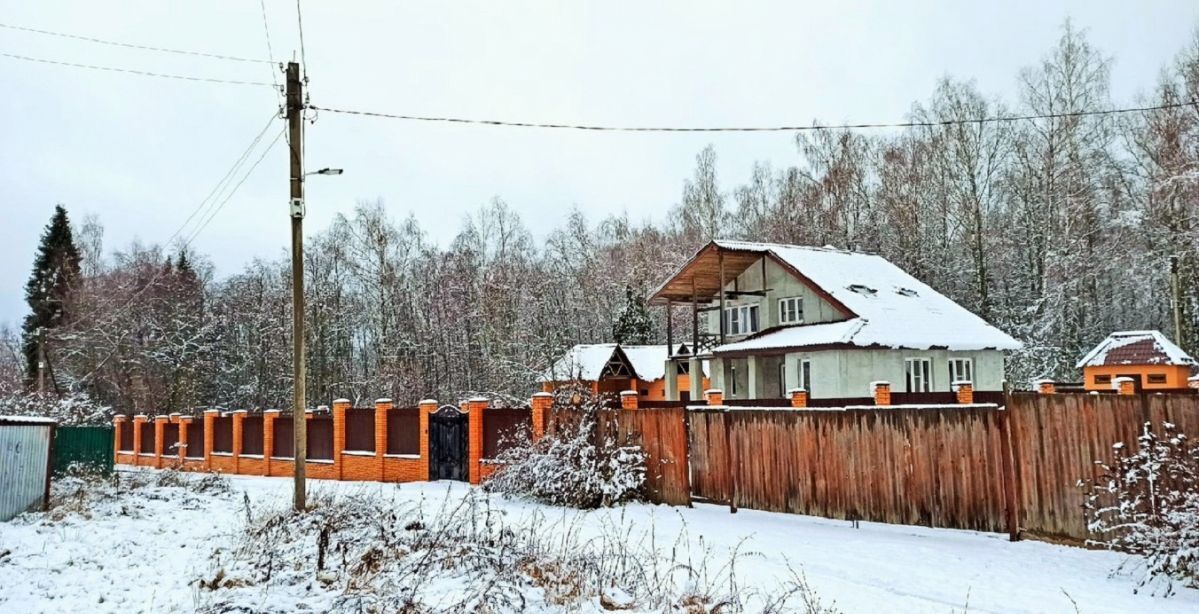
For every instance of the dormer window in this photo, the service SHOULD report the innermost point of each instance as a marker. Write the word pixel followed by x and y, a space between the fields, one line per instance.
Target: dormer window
pixel 863 290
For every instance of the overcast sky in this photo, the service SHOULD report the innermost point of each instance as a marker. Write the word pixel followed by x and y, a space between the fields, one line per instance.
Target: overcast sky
pixel 143 152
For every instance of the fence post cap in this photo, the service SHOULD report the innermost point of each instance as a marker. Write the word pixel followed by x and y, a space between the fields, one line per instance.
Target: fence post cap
pixel 713 391
pixel 478 400
pixel 343 400
pixel 961 382
pixel 272 411
pixel 240 411
pixel 1193 378
pixel 142 416
pixel 428 402
pixel 795 390
pixel 119 418
pixel 379 400
pixel 876 384
pixel 161 418
pixel 628 393
pixel 1043 380
pixel 174 414
pixel 542 395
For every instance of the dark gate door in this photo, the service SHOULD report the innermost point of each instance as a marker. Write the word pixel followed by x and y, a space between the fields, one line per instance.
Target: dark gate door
pixel 447 444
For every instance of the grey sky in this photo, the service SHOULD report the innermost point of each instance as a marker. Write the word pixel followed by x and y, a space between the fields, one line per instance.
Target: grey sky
pixel 142 152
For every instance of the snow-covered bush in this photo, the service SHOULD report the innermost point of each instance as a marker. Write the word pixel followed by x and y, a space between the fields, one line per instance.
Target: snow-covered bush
pixel 1147 504
pixel 71 408
pixel 582 461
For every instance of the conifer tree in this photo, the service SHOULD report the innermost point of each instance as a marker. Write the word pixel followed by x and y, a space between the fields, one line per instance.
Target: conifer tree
pixel 633 325
pixel 55 273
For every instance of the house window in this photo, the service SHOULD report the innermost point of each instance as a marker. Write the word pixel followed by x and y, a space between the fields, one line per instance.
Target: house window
pixel 961 370
pixel 733 379
pixel 783 378
pixel 741 320
pixel 1103 379
pixel 919 374
pixel 791 310
pixel 1157 378
pixel 805 376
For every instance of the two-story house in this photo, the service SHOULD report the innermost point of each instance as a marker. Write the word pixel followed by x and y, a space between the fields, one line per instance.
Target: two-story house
pixel 771 318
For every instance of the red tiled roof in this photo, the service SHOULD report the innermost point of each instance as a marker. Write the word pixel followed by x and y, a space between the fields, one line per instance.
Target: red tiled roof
pixel 1143 352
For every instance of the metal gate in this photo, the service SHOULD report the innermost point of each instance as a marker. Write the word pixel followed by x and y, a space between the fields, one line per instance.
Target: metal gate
pixel 448 444
pixel 85 447
pixel 25 450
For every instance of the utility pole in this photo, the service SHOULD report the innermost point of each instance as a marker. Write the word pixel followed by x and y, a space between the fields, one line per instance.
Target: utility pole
pixel 295 127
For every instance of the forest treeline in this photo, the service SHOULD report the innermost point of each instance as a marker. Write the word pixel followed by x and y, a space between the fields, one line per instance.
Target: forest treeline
pixel 1057 230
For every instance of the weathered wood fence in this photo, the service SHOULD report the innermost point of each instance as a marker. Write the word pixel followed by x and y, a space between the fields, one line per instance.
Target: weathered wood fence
pixel 1012 469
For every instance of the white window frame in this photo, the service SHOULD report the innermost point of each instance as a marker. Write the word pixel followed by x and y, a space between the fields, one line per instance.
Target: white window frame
pixel 956 374
pixel 738 320
pixel 783 378
pixel 804 375
pixel 921 379
pixel 796 303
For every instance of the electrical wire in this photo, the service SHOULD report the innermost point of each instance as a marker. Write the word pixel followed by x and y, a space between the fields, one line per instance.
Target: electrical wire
pixel 100 41
pixel 270 54
pixel 229 196
pixel 143 73
pixel 811 128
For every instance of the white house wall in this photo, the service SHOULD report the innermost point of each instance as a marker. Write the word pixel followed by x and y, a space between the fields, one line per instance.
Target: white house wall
pixel 782 284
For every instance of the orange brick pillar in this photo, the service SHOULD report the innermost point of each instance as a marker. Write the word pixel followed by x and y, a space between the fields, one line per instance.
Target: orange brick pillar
pixel 427 406
pixel 382 406
pixel 628 399
pixel 210 416
pixel 474 411
pixel 138 421
pixel 239 417
pixel 799 397
pixel 160 423
pixel 965 392
pixel 1124 385
pixel 184 425
pixel 268 438
pixel 540 405
pixel 117 422
pixel 339 435
pixel 714 397
pixel 882 392
pixel 1045 386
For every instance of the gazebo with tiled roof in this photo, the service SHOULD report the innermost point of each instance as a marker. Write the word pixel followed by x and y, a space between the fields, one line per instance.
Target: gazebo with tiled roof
pixel 1147 356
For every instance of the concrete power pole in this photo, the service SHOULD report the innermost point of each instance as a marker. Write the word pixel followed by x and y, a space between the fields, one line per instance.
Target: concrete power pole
pixel 295 127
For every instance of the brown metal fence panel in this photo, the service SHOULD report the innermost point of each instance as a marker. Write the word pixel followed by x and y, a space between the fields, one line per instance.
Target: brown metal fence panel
pixel 360 429
pixel 285 441
pixel 320 438
pixel 195 439
pixel 924 398
pixel 403 430
pixel 1058 438
pixel 251 435
pixel 125 433
pixel 504 426
pixel 170 439
pixel 147 438
pixel 840 402
pixel 222 434
pixel 933 467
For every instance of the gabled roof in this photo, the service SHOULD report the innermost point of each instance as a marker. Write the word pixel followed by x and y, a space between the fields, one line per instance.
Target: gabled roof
pixel 587 361
pixel 1136 347
pixel 884 305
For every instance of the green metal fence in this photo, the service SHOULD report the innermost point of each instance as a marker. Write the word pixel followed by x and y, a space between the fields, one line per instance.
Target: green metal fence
pixel 89 446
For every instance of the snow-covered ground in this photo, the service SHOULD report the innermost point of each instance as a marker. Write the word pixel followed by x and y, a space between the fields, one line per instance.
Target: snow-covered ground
pixel 147 549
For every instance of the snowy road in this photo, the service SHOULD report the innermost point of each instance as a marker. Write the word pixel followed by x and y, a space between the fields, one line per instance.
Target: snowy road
pixel 143 553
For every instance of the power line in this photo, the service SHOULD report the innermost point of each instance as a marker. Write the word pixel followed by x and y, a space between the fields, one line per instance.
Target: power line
pixel 132 71
pixel 229 196
pixel 270 52
pixel 810 128
pixel 100 41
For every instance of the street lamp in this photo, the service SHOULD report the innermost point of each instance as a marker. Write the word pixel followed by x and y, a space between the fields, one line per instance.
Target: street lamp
pixel 326 171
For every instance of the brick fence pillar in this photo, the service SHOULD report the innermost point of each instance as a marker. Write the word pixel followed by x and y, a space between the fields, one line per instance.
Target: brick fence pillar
pixel 382 406
pixel 239 417
pixel 628 399
pixel 268 438
pixel 138 421
pixel 210 416
pixel 185 423
pixel 427 407
pixel 340 406
pixel 1045 386
pixel 799 397
pixel 714 397
pixel 540 406
pixel 475 409
pixel 160 423
pixel 881 392
pixel 1124 385
pixel 965 392
pixel 117 422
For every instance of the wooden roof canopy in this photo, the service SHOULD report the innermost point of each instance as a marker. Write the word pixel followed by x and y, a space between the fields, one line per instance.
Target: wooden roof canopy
pixel 700 276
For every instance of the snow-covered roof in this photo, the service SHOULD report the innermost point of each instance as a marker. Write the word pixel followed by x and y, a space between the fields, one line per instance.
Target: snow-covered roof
pixel 587 361
pixel 1136 347
pixel 890 308
pixel 28 420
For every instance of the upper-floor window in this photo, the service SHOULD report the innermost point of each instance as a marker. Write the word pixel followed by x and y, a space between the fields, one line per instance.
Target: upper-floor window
pixel 961 370
pixel 791 310
pixel 741 320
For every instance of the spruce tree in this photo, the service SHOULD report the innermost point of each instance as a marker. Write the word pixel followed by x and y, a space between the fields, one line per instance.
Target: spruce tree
pixel 55 273
pixel 633 324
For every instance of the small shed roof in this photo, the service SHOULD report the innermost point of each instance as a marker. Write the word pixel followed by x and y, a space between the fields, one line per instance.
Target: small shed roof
pixel 587 361
pixel 1136 347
